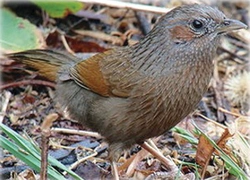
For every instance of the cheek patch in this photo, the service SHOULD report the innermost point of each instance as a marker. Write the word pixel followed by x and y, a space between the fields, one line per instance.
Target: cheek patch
pixel 182 33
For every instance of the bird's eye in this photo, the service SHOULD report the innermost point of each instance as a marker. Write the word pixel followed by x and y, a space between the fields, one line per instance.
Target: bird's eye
pixel 197 24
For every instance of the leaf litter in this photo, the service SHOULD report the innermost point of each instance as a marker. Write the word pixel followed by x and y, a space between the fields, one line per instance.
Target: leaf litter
pixel 226 102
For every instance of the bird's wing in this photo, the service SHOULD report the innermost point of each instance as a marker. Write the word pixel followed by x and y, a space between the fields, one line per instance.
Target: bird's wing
pixel 90 74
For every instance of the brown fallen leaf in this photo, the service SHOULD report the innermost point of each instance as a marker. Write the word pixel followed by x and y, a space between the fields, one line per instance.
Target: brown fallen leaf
pixel 223 140
pixel 204 151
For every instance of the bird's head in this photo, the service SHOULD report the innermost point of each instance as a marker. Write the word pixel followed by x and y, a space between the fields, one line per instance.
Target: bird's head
pixel 187 35
pixel 189 22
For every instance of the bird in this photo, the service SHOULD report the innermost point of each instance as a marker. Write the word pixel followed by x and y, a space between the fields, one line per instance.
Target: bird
pixel 132 93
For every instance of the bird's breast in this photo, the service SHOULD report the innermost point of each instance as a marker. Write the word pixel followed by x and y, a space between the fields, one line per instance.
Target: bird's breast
pixel 159 105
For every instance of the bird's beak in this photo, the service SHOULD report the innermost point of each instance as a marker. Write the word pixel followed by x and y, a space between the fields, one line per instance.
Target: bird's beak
pixel 229 25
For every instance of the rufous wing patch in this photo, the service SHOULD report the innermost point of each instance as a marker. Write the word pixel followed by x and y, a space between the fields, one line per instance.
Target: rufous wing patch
pixel 88 74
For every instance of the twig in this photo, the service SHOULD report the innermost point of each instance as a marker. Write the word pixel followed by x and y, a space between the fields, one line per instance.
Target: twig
pixel 47 123
pixel 74 165
pixel 131 163
pixel 7 96
pixel 151 143
pixel 79 132
pixel 27 82
pixel 212 121
pixel 100 35
pixel 228 112
pixel 66 45
pixel 133 6
pixel 169 164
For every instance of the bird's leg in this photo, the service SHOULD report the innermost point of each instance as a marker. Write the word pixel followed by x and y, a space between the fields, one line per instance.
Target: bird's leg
pixel 170 165
pixel 115 170
pixel 115 150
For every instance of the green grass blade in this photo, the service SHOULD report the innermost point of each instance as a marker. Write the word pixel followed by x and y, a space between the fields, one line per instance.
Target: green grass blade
pixel 27 158
pixel 230 165
pixel 29 154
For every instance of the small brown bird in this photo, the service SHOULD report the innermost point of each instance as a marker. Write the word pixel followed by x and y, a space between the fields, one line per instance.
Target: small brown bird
pixel 130 94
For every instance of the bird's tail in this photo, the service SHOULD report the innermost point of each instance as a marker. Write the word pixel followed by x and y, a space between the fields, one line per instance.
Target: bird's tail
pixel 46 62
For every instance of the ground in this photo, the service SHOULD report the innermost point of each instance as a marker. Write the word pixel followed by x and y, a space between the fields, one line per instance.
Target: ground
pixel 223 114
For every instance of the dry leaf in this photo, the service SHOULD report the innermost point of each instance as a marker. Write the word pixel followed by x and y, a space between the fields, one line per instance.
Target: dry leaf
pixel 204 151
pixel 223 140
